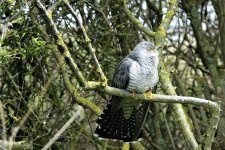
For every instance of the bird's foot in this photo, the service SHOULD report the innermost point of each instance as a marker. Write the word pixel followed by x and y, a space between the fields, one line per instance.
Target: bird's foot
pixel 133 93
pixel 149 93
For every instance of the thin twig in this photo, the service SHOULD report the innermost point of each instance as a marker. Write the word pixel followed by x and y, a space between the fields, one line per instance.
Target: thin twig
pixel 64 127
pixel 212 106
pixel 17 145
pixel 4 138
pixel 14 83
pixel 80 100
pixel 194 119
pixel 136 21
pixel 32 108
pixel 168 130
pixel 88 41
pixel 60 43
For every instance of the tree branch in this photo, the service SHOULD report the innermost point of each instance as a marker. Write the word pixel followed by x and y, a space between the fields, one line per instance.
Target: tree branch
pixel 60 132
pixel 164 77
pixel 88 42
pixel 31 109
pixel 164 74
pixel 165 24
pixel 60 43
pixel 212 106
pixel 136 21
pixel 2 114
pixel 23 145
pixel 80 100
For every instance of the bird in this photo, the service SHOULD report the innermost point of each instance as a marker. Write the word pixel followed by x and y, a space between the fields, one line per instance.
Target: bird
pixel 123 118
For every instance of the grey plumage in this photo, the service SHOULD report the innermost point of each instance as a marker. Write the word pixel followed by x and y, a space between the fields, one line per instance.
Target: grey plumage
pixel 137 72
pixel 143 73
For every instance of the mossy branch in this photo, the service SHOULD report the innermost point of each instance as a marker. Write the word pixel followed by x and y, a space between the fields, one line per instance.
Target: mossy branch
pixel 179 112
pixel 126 146
pixel 164 77
pixel 80 100
pixel 206 51
pixel 136 21
pixel 23 145
pixel 212 106
pixel 165 24
pixel 2 115
pixel 60 43
pixel 88 42
pixel 61 131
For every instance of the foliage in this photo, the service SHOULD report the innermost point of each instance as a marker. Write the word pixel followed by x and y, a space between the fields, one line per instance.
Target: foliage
pixel 33 81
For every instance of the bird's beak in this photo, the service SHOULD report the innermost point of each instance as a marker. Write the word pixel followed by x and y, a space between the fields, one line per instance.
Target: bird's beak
pixel 158 47
pixel 155 49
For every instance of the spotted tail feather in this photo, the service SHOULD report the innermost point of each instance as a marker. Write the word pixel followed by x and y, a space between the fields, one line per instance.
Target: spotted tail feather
pixel 113 125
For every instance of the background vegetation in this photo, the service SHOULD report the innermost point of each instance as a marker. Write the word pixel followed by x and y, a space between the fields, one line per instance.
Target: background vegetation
pixel 39 92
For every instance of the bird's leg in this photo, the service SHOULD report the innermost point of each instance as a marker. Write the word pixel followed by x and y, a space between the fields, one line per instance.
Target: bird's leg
pixel 133 93
pixel 149 93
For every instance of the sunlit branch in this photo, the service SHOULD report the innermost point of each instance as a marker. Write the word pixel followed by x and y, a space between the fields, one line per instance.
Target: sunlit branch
pixel 88 41
pixel 212 106
pixel 60 132
pixel 80 100
pixel 16 145
pixel 164 75
pixel 32 108
pixel 2 114
pixel 60 43
pixel 136 21
pixel 160 36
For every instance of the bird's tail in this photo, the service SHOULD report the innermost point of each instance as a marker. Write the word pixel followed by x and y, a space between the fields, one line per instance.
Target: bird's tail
pixel 113 125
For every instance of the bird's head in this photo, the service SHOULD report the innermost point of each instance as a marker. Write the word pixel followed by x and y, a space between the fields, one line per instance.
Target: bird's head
pixel 147 46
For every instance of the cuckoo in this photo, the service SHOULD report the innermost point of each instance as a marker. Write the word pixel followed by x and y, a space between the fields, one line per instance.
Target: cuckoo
pixel 123 118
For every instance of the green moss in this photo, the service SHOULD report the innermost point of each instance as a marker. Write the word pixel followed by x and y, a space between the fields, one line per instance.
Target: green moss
pixel 160 35
pixel 10 1
pixel 126 146
pixel 173 2
pixel 89 104
pixel 164 76
pixel 162 31
pixel 103 78
pixel 148 96
pixel 59 40
pixel 138 145
pixel 170 14
pixel 49 12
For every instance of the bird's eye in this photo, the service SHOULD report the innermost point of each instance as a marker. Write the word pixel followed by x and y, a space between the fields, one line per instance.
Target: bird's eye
pixel 151 48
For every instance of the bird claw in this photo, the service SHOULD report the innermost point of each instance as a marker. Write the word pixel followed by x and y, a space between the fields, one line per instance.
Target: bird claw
pixel 149 93
pixel 133 93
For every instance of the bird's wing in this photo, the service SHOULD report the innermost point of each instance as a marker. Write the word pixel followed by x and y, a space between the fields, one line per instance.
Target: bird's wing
pixel 112 124
pixel 120 80
pixel 121 75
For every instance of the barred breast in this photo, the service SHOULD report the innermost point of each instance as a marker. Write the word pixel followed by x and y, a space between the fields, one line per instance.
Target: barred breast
pixel 143 77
